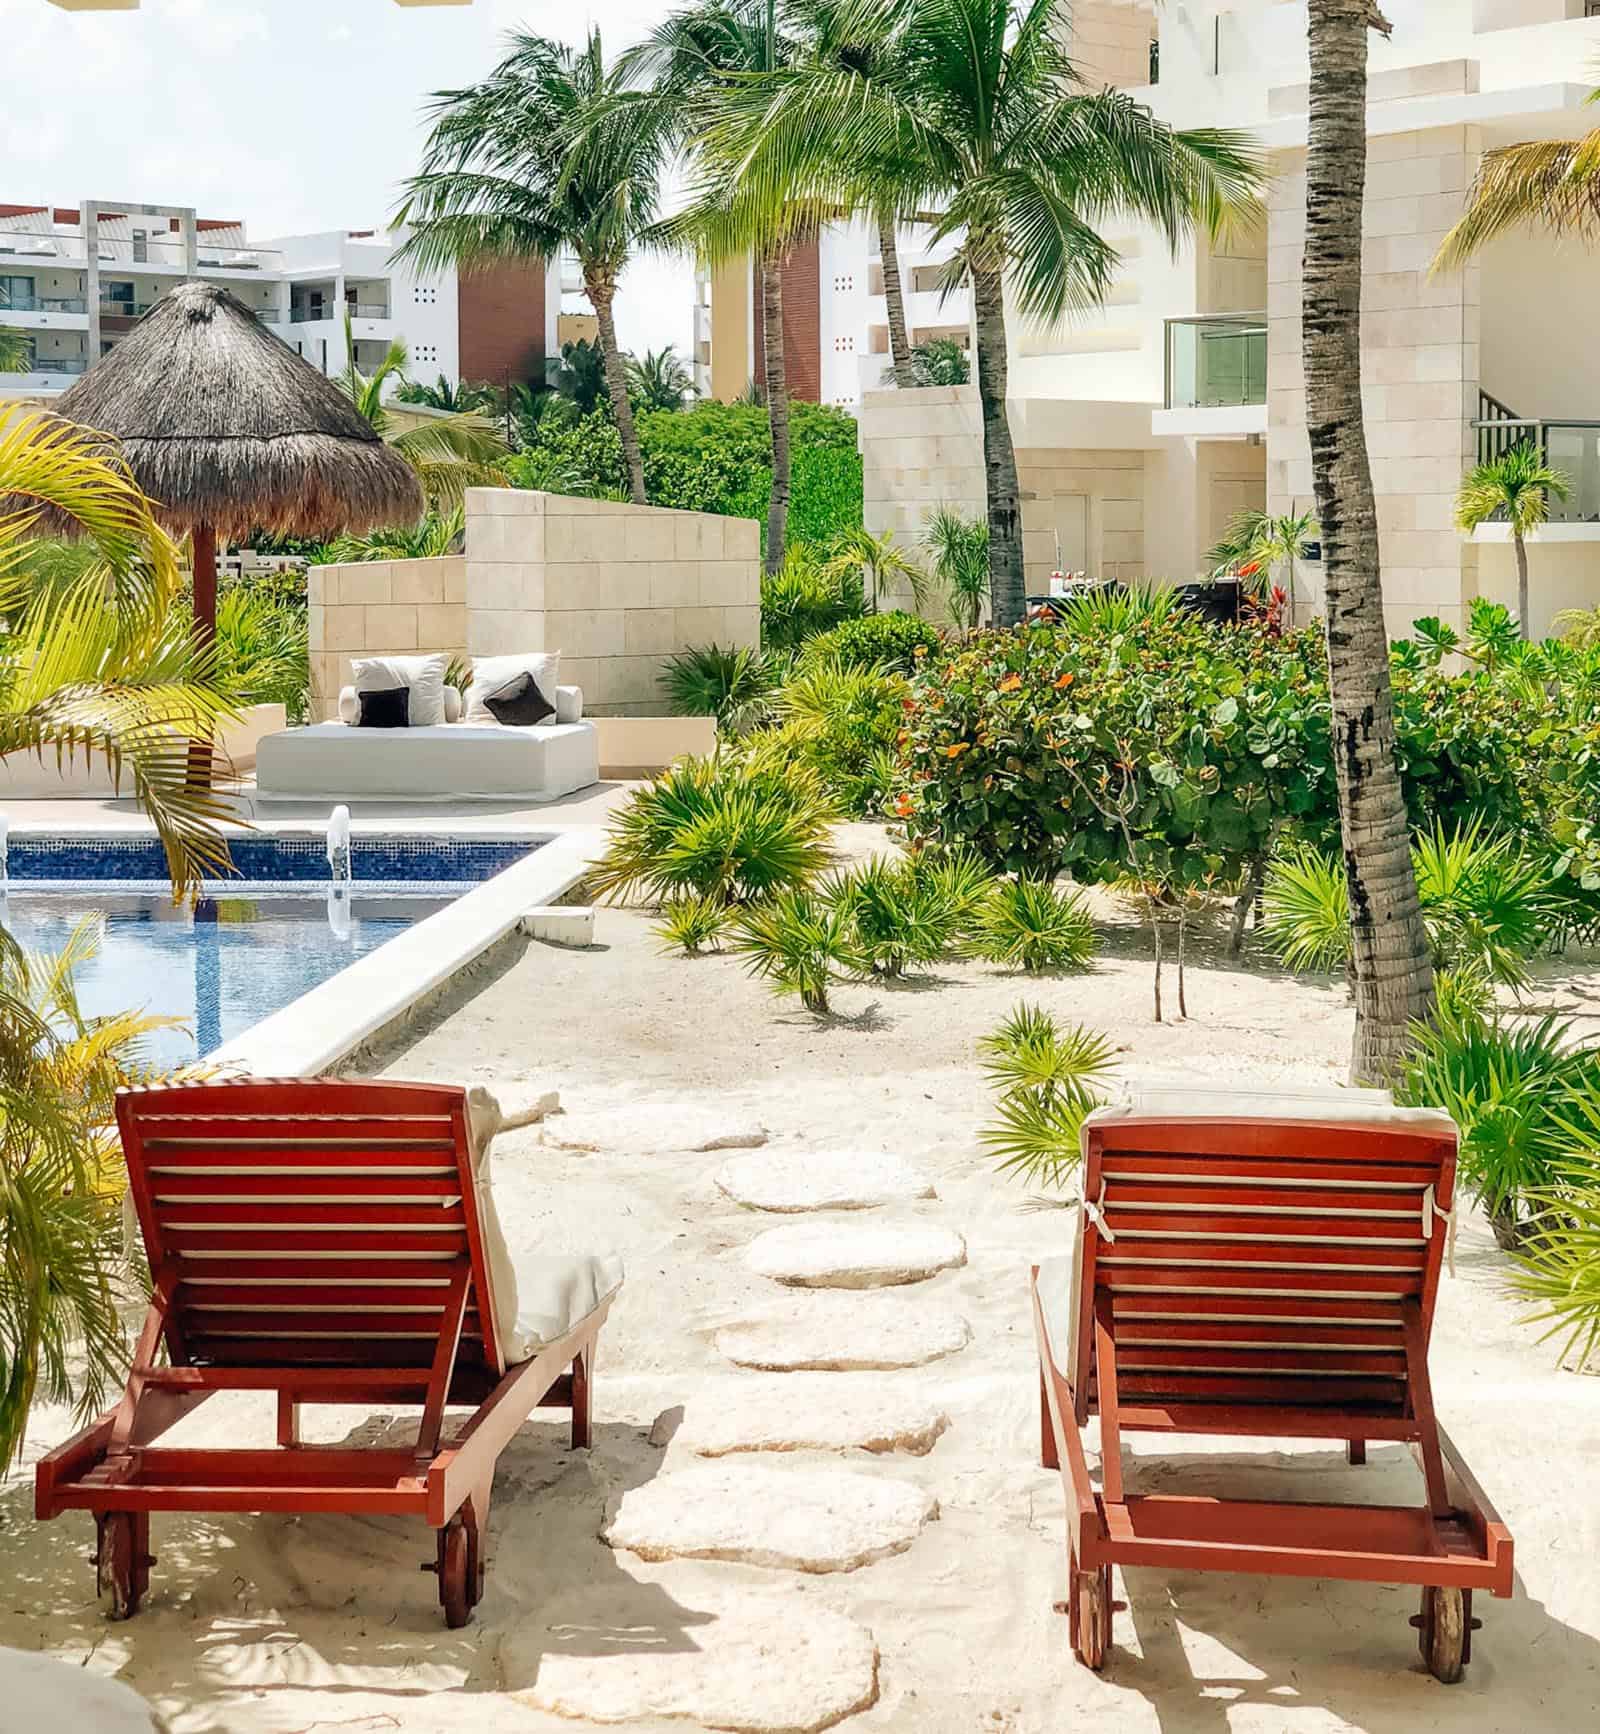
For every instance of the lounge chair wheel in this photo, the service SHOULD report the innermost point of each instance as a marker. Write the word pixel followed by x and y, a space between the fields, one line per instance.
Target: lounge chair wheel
pixel 1442 1630
pixel 455 1588
pixel 1090 1614
pixel 122 1570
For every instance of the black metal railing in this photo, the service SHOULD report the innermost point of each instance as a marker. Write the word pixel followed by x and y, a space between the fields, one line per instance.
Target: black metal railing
pixel 1573 447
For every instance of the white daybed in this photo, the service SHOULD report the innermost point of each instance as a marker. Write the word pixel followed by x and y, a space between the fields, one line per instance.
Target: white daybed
pixel 451 761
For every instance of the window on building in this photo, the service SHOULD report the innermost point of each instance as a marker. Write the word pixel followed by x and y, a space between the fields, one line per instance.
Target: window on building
pixel 141 246
pixel 121 293
pixel 1155 59
pixel 16 291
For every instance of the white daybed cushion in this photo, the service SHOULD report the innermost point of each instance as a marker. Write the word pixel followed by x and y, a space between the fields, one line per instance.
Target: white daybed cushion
pixel 538 1297
pixel 491 673
pixel 422 676
pixel 452 704
pixel 569 705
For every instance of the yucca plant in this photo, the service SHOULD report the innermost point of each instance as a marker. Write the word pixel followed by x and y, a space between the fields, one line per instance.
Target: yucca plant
pixel 1047 1079
pixel 692 924
pixel 61 1180
pixel 1108 610
pixel 719 827
pixel 958 549
pixel 263 651
pixel 806 596
pixel 1028 924
pixel 801 942
pixel 1484 902
pixel 1558 1264
pixel 731 685
pixel 898 916
pixel 1511 1088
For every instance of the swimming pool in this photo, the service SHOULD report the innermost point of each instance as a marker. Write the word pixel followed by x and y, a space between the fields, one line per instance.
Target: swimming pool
pixel 252 944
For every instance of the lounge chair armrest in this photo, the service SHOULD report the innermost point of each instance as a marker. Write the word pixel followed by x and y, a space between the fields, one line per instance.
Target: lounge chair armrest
pixel 454 704
pixel 349 705
pixel 569 704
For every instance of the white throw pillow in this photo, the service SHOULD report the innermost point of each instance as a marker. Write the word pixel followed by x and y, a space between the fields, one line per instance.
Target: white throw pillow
pixel 490 673
pixel 422 676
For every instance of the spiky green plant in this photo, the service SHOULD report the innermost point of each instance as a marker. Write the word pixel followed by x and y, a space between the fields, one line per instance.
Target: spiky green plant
pixel 262 649
pixel 61 1179
pixel 898 916
pixel 801 942
pixel 806 596
pixel 1028 924
pixel 1305 910
pixel 960 875
pixel 692 924
pixel 1047 1080
pixel 1558 1265
pixel 728 684
pixel 1510 1087
pixel 1105 612
pixel 1517 487
pixel 958 549
pixel 717 827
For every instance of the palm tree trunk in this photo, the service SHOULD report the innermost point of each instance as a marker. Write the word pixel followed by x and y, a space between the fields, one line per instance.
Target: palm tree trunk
pixel 895 301
pixel 1524 610
pixel 777 377
pixel 203 582
pixel 1394 972
pixel 601 292
pixel 1007 590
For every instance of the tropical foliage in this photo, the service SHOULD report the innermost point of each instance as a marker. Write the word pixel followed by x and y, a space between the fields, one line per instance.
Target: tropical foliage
pixel 894 640
pixel 1516 487
pixel 958 550
pixel 940 361
pixel 804 597
pixel 730 685
pixel 1047 1080
pixel 1028 924
pixel 658 379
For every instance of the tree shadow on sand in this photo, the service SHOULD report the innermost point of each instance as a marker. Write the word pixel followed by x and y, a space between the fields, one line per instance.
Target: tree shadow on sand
pixel 1213 1646
pixel 245 1606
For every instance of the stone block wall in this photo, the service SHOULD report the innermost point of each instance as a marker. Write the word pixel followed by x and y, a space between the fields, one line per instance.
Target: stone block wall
pixel 617 589
pixel 1420 364
pixel 381 608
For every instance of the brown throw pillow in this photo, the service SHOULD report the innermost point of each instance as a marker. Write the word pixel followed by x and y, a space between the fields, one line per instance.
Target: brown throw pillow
pixel 519 704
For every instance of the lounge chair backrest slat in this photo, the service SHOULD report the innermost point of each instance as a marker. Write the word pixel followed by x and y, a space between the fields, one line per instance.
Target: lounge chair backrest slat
pixel 308 1221
pixel 1259 1261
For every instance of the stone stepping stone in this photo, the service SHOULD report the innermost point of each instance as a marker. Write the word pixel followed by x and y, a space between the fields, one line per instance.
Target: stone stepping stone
pixel 838 1255
pixel 794 1180
pixel 816 1520
pixel 838 1334
pixel 739 1659
pixel 801 1412
pixel 654 1129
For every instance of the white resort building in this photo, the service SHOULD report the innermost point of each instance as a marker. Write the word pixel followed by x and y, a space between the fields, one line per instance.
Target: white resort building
pixel 73 279
pixel 1144 427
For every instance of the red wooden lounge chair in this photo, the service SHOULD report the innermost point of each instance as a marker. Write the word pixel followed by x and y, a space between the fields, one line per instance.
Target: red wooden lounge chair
pixel 1268 1267
pixel 334 1242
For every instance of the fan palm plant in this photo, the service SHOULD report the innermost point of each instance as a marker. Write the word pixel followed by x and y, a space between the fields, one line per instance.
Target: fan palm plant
pixel 1517 486
pixel 539 157
pixel 60 1183
pixel 1553 184
pixel 439 533
pixel 959 551
pixel 658 379
pixel 1048 1080
pixel 874 558
pixel 16 350
pixel 101 666
pixel 1256 542
pixel 978 113
pixel 450 453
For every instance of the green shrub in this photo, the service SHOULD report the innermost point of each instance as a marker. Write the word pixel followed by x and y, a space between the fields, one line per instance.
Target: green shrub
pixel 728 684
pixel 263 650
pixel 799 941
pixel 899 913
pixel 959 551
pixel 1028 924
pixel 691 924
pixel 803 598
pixel 1172 749
pixel 1513 1089
pixel 1048 1081
pixel 843 723
pixel 717 827
pixel 893 639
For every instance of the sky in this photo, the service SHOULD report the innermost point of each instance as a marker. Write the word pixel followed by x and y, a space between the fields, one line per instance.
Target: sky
pixel 290 115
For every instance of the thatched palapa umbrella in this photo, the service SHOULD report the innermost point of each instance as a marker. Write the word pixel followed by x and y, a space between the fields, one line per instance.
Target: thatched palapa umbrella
pixel 228 430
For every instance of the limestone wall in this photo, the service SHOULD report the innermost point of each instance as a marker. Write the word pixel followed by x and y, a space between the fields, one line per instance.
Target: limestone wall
pixel 1420 366
pixel 617 589
pixel 381 608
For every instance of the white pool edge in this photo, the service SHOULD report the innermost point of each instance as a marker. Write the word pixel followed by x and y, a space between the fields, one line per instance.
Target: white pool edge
pixel 314 1033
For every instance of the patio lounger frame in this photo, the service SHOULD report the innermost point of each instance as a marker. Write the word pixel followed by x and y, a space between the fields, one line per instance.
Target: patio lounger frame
pixel 1270 1277
pixel 351 1205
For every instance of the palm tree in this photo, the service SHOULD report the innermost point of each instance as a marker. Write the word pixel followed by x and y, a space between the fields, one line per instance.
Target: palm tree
pixel 1552 184
pixel 16 351
pixel 692 60
pixel 874 559
pixel 1256 542
pixel 580 377
pixel 455 398
pixel 437 534
pixel 658 380
pixel 101 665
pixel 1393 967
pixel 450 453
pixel 959 550
pixel 1518 484
pixel 540 157
pixel 980 114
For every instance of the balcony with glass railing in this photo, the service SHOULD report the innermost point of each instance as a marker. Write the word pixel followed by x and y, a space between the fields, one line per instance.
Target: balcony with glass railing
pixel 1217 362
pixel 41 303
pixel 367 309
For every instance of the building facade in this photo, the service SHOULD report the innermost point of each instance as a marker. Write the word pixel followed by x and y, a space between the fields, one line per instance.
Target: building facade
pixel 74 279
pixel 1145 426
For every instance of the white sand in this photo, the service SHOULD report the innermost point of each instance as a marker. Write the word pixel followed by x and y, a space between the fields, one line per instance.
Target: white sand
pixel 260 1624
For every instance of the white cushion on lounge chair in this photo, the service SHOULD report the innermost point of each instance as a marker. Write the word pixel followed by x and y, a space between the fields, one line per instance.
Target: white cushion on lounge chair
pixel 538 1297
pixel 421 676
pixel 491 673
pixel 1179 1101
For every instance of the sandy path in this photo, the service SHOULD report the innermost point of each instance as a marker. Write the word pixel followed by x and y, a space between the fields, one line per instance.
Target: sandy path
pixel 260 1624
